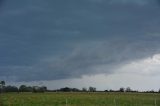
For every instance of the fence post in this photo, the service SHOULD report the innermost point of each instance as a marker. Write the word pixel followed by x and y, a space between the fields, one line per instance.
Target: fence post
pixel 115 102
pixel 155 102
pixel 66 102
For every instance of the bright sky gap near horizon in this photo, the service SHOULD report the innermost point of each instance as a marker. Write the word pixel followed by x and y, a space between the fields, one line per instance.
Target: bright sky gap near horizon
pixel 107 44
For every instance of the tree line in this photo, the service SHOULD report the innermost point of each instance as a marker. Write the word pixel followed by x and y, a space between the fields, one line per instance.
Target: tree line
pixel 68 89
pixel 35 89
pixel 22 88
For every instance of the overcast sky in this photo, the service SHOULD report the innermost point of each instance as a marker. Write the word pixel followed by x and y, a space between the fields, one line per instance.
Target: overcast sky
pixel 81 43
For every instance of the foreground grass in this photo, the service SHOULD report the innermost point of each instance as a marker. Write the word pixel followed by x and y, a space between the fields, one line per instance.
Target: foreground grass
pixel 80 99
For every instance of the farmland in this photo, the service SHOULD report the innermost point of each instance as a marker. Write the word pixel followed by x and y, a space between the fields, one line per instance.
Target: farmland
pixel 80 99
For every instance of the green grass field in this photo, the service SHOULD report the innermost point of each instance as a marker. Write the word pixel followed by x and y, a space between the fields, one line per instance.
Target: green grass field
pixel 80 99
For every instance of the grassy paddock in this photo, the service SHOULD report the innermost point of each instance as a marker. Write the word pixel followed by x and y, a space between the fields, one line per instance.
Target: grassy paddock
pixel 80 99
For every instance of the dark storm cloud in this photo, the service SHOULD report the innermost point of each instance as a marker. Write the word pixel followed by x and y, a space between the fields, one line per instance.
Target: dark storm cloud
pixel 47 40
pixel 1 4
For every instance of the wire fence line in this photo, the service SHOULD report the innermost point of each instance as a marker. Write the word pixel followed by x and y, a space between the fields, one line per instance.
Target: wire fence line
pixel 115 103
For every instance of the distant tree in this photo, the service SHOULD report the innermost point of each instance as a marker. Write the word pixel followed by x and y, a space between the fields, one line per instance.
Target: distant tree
pixel 23 88
pixel 106 91
pixel 159 90
pixel 44 88
pixel 92 89
pixel 2 84
pixel 152 91
pixel 128 89
pixel 66 89
pixel 121 89
pixel 11 89
pixel 111 90
pixel 39 89
pixel 84 89
pixel 75 90
pixel 35 89
pixel 29 89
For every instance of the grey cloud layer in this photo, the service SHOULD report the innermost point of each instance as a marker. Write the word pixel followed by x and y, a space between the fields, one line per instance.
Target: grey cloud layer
pixel 46 40
pixel 85 59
